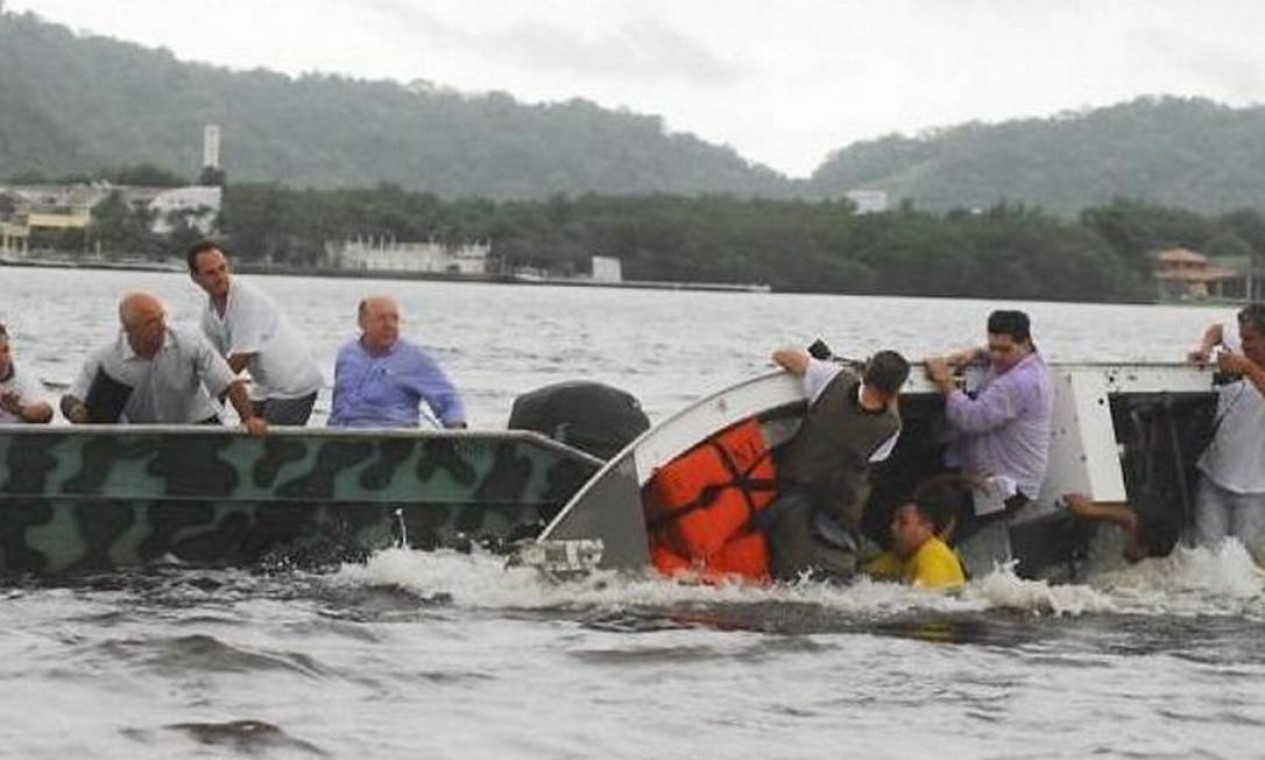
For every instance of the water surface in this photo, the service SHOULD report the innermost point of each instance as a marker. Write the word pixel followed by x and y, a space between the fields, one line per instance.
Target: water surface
pixel 451 655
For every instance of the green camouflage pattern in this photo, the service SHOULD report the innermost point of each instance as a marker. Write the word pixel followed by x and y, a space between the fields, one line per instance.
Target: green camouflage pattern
pixel 102 497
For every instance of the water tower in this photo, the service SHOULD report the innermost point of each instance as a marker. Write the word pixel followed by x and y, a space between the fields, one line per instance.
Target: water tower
pixel 211 146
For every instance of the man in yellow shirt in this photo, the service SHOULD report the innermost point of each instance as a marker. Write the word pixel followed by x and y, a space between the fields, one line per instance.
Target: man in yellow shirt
pixel 918 555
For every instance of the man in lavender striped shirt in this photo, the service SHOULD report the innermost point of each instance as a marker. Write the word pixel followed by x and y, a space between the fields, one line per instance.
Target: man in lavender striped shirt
pixel 380 378
pixel 1004 430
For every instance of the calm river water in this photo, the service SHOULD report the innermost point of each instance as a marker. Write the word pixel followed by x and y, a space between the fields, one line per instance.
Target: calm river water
pixel 449 655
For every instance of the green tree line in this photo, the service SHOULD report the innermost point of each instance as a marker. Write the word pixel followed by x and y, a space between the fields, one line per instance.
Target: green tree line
pixel 1006 251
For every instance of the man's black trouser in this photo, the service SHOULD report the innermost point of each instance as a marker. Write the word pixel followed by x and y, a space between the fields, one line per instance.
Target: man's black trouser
pixel 804 540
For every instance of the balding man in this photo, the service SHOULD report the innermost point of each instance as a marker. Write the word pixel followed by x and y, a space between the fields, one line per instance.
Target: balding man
pixel 153 373
pixel 379 378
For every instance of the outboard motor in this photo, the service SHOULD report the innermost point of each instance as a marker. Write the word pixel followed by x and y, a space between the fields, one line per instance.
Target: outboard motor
pixel 592 417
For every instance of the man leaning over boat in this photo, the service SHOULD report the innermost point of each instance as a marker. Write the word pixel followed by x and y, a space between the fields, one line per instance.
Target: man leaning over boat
pixel 252 334
pixel 823 471
pixel 155 373
pixel 19 392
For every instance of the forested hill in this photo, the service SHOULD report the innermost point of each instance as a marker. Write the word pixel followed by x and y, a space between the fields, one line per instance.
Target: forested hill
pixel 77 104
pixel 1186 153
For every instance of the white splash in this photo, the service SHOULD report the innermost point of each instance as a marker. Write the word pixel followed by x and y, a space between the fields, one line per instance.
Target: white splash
pixel 1189 581
pixel 480 580
pixel 1003 589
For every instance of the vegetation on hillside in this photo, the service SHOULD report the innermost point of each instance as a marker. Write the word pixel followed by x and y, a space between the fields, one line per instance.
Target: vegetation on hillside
pixel 1187 153
pixel 73 105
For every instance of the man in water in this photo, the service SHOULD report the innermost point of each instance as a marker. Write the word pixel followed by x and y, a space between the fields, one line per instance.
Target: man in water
pixel 919 556
pixel 163 374
pixel 19 392
pixel 248 329
pixel 1230 501
pixel 380 378
pixel 1002 432
pixel 823 472
pixel 1144 536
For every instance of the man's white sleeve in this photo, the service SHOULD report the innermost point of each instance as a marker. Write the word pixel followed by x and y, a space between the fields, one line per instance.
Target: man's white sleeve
pixel 817 376
pixel 884 451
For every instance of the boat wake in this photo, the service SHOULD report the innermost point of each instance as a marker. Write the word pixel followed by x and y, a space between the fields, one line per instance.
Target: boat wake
pixel 1191 581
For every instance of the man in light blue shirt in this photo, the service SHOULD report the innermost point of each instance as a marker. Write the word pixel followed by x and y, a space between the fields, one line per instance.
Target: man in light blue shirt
pixel 379 378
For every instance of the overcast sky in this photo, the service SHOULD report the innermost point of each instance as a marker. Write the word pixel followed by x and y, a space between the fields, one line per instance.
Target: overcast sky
pixel 784 82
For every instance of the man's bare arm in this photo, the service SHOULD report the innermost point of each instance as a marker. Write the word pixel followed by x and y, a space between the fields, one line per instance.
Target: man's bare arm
pixel 1212 336
pixel 793 360
pixel 241 402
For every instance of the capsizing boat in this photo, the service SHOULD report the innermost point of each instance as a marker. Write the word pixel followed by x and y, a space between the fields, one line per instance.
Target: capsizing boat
pixel 1121 433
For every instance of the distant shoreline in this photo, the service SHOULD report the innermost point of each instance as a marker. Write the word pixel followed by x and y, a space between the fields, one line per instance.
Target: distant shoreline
pixel 139 265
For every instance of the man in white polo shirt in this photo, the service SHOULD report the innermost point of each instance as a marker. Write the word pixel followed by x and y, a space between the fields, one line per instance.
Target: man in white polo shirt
pixel 153 373
pixel 19 392
pixel 248 329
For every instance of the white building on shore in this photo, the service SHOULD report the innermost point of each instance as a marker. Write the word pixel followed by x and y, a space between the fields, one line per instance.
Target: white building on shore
pixel 868 201
pixel 199 204
pixel 386 255
pixel 607 269
pixel 69 207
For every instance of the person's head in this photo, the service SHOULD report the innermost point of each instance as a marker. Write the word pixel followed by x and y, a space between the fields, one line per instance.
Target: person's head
pixel 144 323
pixel 886 372
pixel 1009 338
pixel 379 320
pixel 929 512
pixel 912 524
pixel 6 361
pixel 208 266
pixel 1252 331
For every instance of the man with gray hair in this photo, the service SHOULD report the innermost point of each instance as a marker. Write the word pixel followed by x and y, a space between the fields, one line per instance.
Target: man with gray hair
pixel 154 373
pixel 1230 501
pixel 381 379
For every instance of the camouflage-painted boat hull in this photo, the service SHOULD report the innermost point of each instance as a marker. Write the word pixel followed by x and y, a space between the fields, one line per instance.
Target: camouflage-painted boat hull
pixel 93 498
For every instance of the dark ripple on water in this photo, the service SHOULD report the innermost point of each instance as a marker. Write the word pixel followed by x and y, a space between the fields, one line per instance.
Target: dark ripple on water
pixel 170 588
pixel 203 652
pixel 247 736
pixel 798 619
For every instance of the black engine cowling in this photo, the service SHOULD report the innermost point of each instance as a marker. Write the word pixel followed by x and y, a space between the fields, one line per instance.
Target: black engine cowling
pixel 592 417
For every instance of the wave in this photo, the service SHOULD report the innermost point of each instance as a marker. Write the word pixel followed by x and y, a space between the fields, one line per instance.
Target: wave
pixel 1190 581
